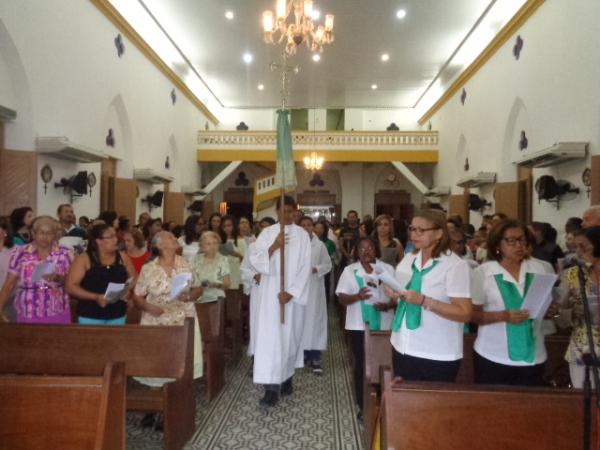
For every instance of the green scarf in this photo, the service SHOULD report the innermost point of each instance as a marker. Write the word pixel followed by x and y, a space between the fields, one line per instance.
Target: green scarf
pixel 369 314
pixel 521 340
pixel 412 312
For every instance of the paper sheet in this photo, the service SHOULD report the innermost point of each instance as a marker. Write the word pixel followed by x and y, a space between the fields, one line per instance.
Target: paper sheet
pixel 180 283
pixel 539 296
pixel 116 291
pixel 42 270
pixel 390 280
pixel 372 284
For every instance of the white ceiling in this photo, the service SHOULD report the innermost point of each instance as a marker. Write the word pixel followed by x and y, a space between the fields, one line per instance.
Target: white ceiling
pixel 419 46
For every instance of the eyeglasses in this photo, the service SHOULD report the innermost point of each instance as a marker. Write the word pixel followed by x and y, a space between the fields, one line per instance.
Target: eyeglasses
pixel 419 231
pixel 511 242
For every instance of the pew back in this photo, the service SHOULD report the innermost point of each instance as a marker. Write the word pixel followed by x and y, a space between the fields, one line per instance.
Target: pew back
pixel 77 413
pixel 432 416
pixel 84 350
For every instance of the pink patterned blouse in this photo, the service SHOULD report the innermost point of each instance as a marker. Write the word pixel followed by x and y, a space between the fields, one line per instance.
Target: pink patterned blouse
pixel 43 301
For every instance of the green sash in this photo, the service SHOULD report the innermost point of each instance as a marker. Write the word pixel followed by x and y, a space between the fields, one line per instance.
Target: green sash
pixel 369 314
pixel 521 340
pixel 412 312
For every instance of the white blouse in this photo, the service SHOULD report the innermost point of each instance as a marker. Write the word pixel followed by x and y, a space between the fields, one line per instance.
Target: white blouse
pixel 492 340
pixel 348 285
pixel 436 338
pixel 189 251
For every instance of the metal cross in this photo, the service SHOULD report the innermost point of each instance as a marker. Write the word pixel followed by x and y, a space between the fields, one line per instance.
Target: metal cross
pixel 285 79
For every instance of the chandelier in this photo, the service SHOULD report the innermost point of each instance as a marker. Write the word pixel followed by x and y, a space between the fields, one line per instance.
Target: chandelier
pixel 298 29
pixel 313 162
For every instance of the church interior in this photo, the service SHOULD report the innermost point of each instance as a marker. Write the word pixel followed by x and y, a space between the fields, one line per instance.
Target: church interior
pixel 132 114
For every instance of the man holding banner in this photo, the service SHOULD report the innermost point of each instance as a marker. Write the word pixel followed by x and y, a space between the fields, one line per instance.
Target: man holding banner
pixel 282 257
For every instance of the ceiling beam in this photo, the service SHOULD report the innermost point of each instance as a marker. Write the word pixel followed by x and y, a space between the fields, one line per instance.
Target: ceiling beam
pixel 221 176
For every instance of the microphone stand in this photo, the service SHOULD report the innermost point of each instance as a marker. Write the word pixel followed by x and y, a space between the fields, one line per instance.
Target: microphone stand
pixel 591 364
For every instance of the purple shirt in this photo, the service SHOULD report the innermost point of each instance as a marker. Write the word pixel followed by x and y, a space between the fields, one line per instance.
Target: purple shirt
pixel 43 301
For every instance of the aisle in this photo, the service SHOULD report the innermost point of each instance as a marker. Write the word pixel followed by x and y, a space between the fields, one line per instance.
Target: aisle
pixel 320 415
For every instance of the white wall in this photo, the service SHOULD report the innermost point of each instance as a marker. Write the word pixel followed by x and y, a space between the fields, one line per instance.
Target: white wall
pixel 59 69
pixel 552 92
pixel 380 119
pixel 256 119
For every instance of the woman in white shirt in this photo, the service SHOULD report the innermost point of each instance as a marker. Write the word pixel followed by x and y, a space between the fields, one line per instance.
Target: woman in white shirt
pixel 427 330
pixel 509 348
pixel 191 235
pixel 357 284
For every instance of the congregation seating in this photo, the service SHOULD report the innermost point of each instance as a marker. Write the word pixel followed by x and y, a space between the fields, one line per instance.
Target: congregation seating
pixel 147 351
pixel 234 327
pixel 211 317
pixel 64 412
pixel 437 416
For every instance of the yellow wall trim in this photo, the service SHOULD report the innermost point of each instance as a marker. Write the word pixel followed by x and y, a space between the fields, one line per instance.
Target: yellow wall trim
pixel 504 35
pixel 407 156
pixel 111 13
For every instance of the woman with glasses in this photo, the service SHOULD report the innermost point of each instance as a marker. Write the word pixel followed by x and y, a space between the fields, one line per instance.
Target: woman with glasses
pixel 40 296
pixel 91 273
pixel 509 348
pixel 366 304
pixel 427 330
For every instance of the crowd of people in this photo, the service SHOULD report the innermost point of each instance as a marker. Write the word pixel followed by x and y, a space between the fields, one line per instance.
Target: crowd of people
pixel 448 279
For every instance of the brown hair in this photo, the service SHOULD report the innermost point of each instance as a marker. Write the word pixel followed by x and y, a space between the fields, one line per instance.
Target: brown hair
pixel 5 225
pixel 438 220
pixel 138 237
pixel 376 223
pixel 496 235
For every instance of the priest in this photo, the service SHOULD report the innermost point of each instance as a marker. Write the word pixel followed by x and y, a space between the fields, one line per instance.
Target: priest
pixel 278 346
pixel 314 336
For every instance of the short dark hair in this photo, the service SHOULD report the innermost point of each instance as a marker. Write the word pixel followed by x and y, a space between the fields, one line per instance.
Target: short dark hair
pixel 267 219
pixel 60 207
pixel 592 234
pixel 496 235
pixel 108 217
pixel 287 201
pixel 372 241
pixel 352 211
pixel 303 218
pixel 573 224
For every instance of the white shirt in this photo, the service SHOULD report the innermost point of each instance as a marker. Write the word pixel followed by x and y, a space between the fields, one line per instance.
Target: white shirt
pixel 348 285
pixel 492 340
pixel 189 251
pixel 436 338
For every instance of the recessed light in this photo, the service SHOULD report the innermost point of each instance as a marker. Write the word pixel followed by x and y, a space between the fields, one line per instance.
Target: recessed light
pixel 261 87
pixel 316 57
pixel 373 86
pixel 229 15
pixel 316 14
pixel 385 57
pixel 247 58
pixel 401 13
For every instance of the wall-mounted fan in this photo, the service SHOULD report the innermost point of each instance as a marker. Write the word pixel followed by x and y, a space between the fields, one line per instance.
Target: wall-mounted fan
pixel 477 203
pixel 154 200
pixel 196 206
pixel 75 186
pixel 552 190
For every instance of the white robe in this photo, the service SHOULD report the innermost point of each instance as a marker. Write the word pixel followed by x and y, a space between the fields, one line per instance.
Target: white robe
pixel 314 336
pixel 277 347
pixel 250 288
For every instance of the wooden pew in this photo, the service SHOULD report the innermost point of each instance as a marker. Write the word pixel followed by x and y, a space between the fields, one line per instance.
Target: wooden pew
pixel 211 317
pixel 148 351
pixel 234 322
pixel 62 412
pixel 378 353
pixel 438 416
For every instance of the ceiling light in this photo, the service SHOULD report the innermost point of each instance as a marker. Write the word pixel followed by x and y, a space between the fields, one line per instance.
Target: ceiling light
pixel 401 13
pixel 292 23
pixel 247 58
pixel 229 15
pixel 373 86
pixel 261 87
pixel 385 57
pixel 316 14
pixel 316 57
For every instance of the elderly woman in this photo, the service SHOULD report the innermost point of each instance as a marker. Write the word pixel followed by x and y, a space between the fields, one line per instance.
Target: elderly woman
pixel 152 294
pixel 39 299
pixel 102 263
pixel 588 246
pixel 509 348
pixel 211 269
